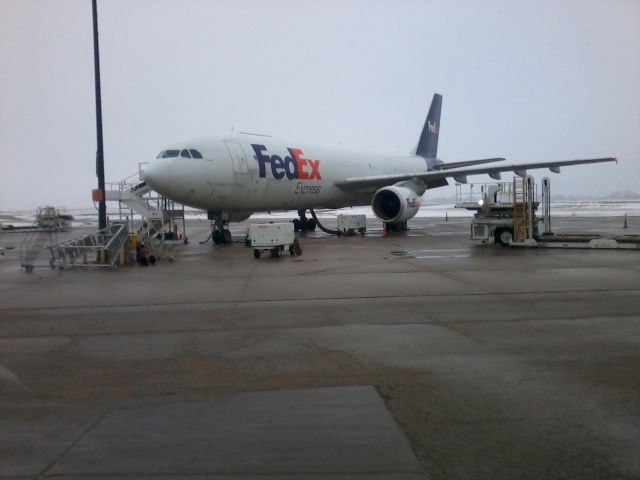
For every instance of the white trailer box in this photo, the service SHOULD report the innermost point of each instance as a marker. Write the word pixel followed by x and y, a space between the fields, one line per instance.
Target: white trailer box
pixel 350 224
pixel 274 237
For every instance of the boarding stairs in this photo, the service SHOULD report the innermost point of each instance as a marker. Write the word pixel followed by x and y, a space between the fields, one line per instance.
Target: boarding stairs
pixel 161 249
pixel 151 234
pixel 133 196
pixel 157 212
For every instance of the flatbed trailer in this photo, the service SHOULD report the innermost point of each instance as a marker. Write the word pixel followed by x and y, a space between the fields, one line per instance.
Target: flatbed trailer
pixel 629 242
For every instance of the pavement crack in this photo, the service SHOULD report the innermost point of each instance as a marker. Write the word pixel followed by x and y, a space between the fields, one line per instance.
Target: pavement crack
pixel 284 301
pixel 91 426
pixel 245 286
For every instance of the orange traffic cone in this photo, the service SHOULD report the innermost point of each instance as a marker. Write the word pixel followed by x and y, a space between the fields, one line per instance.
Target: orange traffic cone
pixel 384 229
pixel 625 221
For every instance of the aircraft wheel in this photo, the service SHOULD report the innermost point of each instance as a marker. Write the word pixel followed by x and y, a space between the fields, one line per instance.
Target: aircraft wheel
pixel 216 237
pixel 292 251
pixel 311 225
pixel 256 253
pixel 226 237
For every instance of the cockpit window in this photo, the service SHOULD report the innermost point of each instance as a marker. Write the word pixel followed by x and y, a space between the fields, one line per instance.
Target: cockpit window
pixel 170 153
pixel 185 153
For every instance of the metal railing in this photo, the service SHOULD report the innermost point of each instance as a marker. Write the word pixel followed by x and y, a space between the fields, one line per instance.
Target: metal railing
pixel 105 248
pixel 129 183
pixel 33 245
pixel 476 193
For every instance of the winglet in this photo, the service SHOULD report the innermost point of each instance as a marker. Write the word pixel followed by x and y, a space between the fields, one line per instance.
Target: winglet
pixel 428 144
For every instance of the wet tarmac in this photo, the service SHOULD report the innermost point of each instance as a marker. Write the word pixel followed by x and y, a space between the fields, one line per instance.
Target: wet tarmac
pixel 418 355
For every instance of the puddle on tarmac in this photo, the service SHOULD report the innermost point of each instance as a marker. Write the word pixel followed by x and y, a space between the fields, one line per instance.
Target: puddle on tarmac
pixel 433 253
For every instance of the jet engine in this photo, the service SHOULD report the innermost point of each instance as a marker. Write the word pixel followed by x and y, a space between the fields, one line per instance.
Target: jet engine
pixel 395 204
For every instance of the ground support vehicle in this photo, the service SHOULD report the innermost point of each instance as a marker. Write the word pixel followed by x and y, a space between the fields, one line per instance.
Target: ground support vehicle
pixel 351 224
pixel 506 214
pixel 274 238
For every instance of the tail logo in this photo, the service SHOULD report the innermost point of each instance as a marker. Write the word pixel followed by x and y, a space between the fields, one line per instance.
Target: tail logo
pixel 433 127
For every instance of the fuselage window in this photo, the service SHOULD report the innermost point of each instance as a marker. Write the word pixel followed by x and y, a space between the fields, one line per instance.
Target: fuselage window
pixel 170 153
pixel 185 153
pixel 195 153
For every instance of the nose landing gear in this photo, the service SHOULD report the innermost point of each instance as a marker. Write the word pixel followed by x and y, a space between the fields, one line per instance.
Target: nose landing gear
pixel 220 233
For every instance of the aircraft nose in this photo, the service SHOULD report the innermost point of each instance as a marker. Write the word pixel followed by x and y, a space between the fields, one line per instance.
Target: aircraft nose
pixel 154 174
pixel 149 173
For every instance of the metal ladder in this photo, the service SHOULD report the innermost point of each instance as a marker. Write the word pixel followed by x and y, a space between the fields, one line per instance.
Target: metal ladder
pixel 520 210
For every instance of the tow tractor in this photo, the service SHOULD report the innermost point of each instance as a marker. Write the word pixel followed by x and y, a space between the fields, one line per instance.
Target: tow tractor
pixel 506 215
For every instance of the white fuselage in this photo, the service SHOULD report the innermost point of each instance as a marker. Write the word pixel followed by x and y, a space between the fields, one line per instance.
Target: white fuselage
pixel 248 173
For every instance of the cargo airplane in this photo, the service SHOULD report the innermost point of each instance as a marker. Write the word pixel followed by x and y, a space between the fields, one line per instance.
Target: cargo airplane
pixel 233 175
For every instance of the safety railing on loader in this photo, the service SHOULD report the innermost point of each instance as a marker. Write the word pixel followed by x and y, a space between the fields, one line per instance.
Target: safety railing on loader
pixel 105 248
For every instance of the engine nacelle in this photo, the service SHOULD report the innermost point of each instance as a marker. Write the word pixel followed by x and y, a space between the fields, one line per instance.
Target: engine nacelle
pixel 395 204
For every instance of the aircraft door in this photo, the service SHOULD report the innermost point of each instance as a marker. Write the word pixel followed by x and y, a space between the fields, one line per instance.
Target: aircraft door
pixel 238 158
pixel 241 173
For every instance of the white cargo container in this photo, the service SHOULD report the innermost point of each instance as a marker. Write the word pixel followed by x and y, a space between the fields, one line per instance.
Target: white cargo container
pixel 273 237
pixel 350 224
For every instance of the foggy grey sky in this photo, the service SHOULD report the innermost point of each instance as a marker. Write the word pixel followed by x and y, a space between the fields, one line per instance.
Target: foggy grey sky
pixel 527 80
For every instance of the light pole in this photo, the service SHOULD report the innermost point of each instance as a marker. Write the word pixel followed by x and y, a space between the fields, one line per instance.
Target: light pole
pixel 100 195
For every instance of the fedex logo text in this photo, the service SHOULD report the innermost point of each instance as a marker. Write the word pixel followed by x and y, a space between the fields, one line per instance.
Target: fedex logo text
pixel 292 166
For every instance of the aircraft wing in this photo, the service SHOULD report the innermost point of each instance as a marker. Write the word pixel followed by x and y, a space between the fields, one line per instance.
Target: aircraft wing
pixel 438 177
pixel 467 163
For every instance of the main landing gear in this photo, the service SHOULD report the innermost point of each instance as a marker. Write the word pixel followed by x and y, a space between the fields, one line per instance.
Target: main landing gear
pixel 304 224
pixel 396 227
